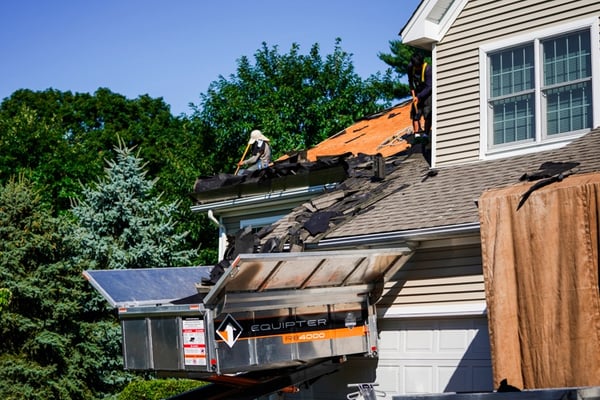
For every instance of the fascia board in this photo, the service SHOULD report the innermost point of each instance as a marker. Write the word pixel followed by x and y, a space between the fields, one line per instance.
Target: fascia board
pixel 266 200
pixel 421 32
pixel 413 30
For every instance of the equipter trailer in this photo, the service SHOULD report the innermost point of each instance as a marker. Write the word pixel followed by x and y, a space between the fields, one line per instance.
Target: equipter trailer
pixel 270 323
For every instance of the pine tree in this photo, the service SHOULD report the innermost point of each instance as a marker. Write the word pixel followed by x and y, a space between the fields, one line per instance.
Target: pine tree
pixel 46 351
pixel 122 224
pixel 398 59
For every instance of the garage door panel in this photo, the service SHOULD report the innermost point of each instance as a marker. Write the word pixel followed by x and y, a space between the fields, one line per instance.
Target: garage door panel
pixel 435 376
pixel 418 378
pixel 434 356
pixel 419 341
pixel 479 348
pixel 453 341
pixel 388 379
pixel 389 342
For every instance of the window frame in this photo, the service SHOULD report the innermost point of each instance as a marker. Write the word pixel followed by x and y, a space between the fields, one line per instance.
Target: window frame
pixel 541 139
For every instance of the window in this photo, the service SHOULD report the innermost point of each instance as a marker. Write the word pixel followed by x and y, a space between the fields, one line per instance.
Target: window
pixel 567 83
pixel 512 100
pixel 540 89
pixel 257 223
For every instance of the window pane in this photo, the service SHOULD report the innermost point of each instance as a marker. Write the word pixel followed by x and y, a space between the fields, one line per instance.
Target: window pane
pixel 511 71
pixel 568 103
pixel 569 108
pixel 567 58
pixel 513 119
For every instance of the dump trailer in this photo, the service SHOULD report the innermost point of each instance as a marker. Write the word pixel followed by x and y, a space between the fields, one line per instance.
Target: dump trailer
pixel 272 322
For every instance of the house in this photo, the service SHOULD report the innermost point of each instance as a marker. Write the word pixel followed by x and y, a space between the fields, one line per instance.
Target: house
pixel 265 196
pixel 509 77
pixel 516 125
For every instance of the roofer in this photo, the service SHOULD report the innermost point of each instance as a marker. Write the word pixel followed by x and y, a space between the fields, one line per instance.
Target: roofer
pixel 419 82
pixel 260 153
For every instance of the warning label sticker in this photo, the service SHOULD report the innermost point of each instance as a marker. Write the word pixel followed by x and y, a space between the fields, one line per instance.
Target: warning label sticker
pixel 194 345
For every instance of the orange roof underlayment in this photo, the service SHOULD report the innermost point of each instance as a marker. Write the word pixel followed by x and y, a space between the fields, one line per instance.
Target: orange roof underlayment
pixel 381 133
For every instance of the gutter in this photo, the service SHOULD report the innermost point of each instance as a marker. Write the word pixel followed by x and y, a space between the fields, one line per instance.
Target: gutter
pixel 258 201
pixel 397 237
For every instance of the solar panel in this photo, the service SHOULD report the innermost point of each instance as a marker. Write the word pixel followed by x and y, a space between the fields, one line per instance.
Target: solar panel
pixel 146 286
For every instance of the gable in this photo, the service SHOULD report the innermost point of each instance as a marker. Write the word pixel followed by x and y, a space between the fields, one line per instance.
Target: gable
pixel 430 22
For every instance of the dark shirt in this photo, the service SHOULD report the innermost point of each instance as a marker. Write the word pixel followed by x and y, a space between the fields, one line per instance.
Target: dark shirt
pixel 422 87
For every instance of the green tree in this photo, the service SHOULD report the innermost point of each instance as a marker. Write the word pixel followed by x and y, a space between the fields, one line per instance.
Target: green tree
pixel 297 100
pixel 51 347
pixel 5 296
pixel 63 138
pixel 122 224
pixel 398 59
pixel 60 140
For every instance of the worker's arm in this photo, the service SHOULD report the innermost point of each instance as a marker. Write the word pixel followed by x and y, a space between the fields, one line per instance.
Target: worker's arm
pixel 250 160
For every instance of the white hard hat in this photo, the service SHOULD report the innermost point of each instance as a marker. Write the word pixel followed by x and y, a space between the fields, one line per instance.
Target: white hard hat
pixel 257 135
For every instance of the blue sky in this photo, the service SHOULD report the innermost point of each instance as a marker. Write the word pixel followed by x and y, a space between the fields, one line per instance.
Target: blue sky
pixel 175 48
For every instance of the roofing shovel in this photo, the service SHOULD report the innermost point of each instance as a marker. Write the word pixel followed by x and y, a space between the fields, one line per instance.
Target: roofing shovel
pixel 242 159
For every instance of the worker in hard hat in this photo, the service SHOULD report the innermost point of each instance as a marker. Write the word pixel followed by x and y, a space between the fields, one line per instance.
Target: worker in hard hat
pixel 260 153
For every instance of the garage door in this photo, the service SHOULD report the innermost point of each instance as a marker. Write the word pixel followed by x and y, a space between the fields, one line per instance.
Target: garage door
pixel 434 356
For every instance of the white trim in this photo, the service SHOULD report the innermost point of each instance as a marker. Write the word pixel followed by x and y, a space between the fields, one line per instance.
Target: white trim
pixel 261 200
pixel 438 310
pixel 521 149
pixel 222 244
pixel 483 104
pixel 541 142
pixel 595 38
pixel 421 32
pixel 434 108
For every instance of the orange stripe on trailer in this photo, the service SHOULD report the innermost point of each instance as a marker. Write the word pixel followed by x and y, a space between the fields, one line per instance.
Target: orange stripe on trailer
pixel 325 334
pixel 328 334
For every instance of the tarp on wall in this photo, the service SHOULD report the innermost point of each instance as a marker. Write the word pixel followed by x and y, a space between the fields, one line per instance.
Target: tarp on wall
pixel 540 265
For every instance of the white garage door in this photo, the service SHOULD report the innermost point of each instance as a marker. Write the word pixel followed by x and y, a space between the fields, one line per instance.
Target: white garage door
pixel 434 356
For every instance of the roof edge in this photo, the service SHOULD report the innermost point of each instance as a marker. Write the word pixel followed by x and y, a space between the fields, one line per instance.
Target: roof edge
pixel 402 237
pixel 421 32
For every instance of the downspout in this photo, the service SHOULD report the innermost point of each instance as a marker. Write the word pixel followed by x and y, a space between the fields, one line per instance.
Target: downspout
pixel 222 233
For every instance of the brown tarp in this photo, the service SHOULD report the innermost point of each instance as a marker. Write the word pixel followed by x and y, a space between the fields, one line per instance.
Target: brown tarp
pixel 540 265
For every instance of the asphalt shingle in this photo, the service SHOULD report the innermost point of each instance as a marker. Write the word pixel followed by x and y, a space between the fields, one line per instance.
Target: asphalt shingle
pixel 449 198
pixel 407 198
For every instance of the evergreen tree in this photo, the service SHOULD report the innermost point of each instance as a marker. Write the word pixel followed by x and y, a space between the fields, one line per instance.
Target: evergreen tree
pixel 5 296
pixel 122 225
pixel 50 347
pixel 398 59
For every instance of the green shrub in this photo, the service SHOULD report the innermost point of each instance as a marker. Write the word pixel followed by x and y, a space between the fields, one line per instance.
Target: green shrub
pixel 158 389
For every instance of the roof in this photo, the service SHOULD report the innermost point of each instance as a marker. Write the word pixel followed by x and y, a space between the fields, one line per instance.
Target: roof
pixel 412 196
pixel 382 134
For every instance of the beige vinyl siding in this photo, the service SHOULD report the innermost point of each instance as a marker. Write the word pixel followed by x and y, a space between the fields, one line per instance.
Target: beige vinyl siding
pixel 457 63
pixel 450 275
